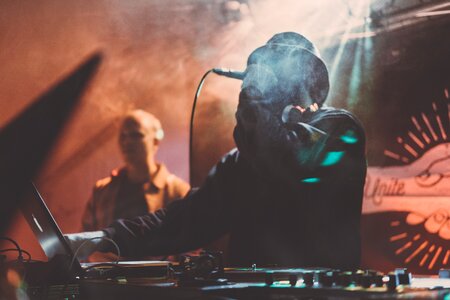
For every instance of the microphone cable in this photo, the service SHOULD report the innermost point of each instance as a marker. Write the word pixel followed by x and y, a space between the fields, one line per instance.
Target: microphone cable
pixel 191 124
pixel 221 72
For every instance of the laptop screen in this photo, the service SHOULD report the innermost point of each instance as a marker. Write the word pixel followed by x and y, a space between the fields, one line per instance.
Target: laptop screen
pixel 45 228
pixel 57 249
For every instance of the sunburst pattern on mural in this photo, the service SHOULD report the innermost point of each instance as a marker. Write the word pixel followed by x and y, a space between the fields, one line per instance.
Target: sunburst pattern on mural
pixel 426 129
pixel 424 240
pixel 428 245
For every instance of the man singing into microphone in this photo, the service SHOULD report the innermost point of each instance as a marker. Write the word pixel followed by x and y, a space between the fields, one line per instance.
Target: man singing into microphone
pixel 289 195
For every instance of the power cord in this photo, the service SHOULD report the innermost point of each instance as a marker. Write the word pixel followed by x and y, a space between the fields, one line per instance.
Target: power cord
pixel 19 250
pixel 18 266
pixel 15 249
pixel 91 239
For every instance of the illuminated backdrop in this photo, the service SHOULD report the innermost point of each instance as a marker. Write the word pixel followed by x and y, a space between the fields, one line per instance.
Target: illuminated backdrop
pixel 388 60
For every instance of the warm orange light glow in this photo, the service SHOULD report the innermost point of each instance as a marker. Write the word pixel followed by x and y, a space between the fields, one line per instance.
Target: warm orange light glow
pixel 13 278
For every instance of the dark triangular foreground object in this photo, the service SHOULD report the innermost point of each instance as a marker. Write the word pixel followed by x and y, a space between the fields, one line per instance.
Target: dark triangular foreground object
pixel 26 141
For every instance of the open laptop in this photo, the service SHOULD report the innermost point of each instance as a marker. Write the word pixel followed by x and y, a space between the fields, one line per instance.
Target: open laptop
pixel 58 251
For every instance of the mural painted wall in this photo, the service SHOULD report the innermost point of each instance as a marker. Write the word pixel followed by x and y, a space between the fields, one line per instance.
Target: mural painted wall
pixel 406 221
pixel 407 206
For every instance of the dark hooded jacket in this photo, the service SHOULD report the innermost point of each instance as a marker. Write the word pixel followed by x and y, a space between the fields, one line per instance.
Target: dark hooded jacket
pixel 307 216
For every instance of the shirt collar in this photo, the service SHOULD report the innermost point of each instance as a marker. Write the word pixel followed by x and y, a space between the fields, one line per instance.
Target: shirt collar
pixel 158 180
pixel 160 177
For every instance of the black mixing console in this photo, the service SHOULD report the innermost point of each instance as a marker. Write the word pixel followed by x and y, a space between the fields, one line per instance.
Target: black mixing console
pixel 276 283
pixel 204 277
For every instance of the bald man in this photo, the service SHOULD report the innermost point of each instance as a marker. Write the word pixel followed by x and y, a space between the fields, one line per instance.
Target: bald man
pixel 142 185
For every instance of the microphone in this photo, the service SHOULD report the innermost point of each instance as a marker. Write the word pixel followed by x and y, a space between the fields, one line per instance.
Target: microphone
pixel 229 73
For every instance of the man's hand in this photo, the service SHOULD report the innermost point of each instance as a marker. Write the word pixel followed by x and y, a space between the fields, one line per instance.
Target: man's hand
pixel 84 244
